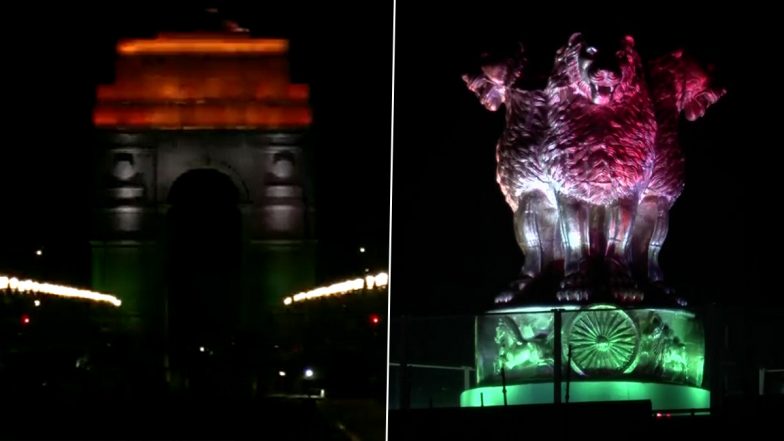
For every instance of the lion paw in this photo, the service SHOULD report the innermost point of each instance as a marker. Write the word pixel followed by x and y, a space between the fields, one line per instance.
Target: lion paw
pixel 574 287
pixel 624 289
pixel 505 297
pixel 516 288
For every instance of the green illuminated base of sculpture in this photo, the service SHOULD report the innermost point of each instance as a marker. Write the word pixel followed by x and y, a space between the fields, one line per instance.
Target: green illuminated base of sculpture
pixel 662 396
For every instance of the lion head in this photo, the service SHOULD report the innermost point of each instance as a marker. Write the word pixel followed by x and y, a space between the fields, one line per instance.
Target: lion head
pixel 602 70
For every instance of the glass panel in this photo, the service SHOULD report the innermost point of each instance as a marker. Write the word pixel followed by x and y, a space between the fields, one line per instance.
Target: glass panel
pixel 607 343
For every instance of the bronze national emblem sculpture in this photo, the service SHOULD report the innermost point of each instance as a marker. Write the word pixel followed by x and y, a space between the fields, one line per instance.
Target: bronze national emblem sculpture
pixel 591 164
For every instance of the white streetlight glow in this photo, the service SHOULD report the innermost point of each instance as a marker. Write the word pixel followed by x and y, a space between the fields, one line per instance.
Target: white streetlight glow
pixel 377 281
pixel 31 286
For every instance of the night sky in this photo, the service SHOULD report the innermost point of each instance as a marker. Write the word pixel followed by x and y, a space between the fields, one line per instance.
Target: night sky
pixel 56 55
pixel 453 247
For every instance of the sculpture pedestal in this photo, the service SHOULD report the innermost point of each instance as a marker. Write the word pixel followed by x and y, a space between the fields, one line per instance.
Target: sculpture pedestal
pixel 662 396
pixel 607 354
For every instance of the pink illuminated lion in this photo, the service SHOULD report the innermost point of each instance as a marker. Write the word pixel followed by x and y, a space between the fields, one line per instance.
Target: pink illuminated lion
pixel 591 164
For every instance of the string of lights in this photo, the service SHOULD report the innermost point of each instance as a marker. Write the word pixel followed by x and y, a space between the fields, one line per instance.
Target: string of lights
pixel 28 286
pixel 377 281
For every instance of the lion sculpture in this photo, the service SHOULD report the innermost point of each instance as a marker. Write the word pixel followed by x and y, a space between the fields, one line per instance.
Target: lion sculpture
pixel 591 164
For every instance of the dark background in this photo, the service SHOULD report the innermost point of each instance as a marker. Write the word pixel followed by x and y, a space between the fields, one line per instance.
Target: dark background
pixel 452 239
pixel 56 54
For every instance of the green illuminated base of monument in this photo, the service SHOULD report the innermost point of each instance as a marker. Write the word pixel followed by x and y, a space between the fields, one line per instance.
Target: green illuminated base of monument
pixel 609 353
pixel 662 396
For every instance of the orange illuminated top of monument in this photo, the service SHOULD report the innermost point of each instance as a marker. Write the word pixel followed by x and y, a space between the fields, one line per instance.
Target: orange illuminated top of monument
pixel 177 81
pixel 182 44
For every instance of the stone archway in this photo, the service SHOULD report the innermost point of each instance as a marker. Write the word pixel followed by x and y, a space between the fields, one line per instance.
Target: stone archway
pixel 167 117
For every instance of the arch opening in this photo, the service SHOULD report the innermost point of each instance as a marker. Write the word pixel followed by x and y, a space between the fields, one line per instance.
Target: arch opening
pixel 204 242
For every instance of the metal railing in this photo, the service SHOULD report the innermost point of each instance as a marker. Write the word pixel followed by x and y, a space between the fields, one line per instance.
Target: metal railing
pixel 763 372
pixel 466 370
